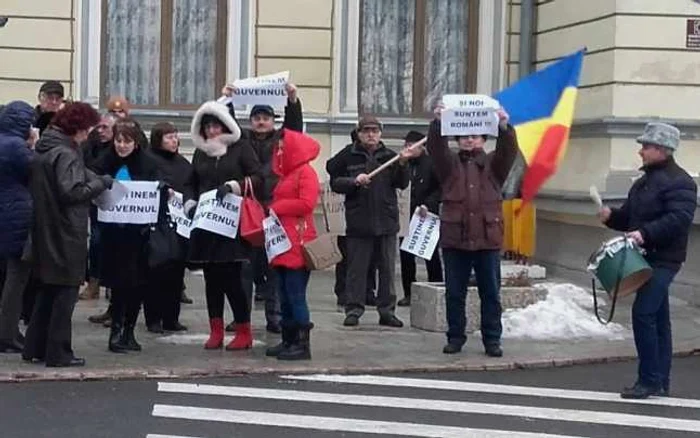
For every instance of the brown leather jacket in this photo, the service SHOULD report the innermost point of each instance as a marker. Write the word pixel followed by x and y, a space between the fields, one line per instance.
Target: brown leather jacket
pixel 471 213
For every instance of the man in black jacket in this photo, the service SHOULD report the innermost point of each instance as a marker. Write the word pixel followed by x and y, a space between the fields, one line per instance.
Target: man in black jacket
pixel 657 215
pixel 371 217
pixel 425 193
pixel 99 140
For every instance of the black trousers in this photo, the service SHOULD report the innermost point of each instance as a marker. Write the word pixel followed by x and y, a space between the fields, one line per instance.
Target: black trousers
pixel 17 277
pixel 49 333
pixel 341 272
pixel 408 269
pixel 224 280
pixel 162 301
pixel 126 303
pixel 359 258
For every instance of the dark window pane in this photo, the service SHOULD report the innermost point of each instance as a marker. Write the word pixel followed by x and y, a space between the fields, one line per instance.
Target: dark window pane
pixel 386 56
pixel 193 78
pixel 445 51
pixel 132 67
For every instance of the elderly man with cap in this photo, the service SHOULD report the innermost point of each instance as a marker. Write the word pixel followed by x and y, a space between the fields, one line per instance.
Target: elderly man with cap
pixel 51 96
pixel 371 217
pixel 425 194
pixel 263 136
pixel 657 215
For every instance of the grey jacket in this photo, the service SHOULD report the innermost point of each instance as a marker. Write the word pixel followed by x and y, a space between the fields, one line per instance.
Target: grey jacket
pixel 62 188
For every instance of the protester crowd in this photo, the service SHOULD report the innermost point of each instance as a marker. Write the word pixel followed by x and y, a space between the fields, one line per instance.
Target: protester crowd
pixel 60 161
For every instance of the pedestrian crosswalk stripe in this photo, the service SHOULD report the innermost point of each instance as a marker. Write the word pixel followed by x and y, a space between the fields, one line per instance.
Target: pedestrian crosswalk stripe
pixel 493 388
pixel 150 435
pixel 554 414
pixel 337 424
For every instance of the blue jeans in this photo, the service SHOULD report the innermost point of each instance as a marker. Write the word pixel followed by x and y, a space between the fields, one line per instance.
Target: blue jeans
pixel 292 289
pixel 458 271
pixel 651 323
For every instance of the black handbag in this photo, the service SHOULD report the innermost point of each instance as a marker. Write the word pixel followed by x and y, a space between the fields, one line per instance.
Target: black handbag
pixel 164 244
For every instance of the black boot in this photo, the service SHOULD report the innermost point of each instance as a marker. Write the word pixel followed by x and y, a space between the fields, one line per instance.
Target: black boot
pixel 301 349
pixel 115 338
pixel 101 318
pixel 128 339
pixel 289 337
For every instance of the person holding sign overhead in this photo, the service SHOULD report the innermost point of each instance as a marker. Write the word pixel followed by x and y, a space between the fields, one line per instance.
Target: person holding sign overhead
pixel 371 217
pixel 263 136
pixel 293 201
pixel 124 245
pixel 471 230
pixel 62 189
pixel 221 162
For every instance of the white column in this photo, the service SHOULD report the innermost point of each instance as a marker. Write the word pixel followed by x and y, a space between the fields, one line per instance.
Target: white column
pixel 484 76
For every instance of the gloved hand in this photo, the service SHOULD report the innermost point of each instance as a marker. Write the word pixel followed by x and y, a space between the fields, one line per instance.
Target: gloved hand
pixel 222 191
pixel 107 180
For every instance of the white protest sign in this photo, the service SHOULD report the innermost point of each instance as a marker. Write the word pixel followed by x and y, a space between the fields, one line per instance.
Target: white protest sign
pixel 177 214
pixel 262 90
pixel 139 206
pixel 469 114
pixel 221 218
pixel 423 236
pixel 111 197
pixel 276 240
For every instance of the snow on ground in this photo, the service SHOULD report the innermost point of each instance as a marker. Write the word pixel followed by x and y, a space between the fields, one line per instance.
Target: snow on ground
pixel 566 313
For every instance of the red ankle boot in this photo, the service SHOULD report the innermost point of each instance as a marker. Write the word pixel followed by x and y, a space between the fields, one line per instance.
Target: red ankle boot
pixel 216 335
pixel 243 338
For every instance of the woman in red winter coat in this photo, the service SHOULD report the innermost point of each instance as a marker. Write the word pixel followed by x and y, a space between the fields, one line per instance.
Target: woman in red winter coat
pixel 293 201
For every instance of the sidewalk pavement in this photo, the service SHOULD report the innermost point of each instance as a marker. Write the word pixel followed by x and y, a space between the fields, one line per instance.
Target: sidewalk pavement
pixel 368 348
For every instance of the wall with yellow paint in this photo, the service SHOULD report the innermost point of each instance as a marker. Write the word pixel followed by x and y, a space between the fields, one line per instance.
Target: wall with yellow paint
pixel 37 44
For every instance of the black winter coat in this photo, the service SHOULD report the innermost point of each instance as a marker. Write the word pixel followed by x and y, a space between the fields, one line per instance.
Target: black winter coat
pixel 124 247
pixel 425 186
pixel 62 189
pixel 661 205
pixel 214 165
pixel 175 170
pixel 374 210
pixel 93 148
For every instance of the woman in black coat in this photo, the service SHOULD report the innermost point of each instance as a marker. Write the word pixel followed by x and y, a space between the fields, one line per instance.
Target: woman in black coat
pixel 162 304
pixel 62 189
pixel 221 162
pixel 124 247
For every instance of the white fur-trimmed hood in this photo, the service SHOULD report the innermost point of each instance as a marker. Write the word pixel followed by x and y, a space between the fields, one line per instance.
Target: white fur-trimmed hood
pixel 214 147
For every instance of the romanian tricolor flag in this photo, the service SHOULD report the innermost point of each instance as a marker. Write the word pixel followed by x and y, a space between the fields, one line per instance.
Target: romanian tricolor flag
pixel 541 109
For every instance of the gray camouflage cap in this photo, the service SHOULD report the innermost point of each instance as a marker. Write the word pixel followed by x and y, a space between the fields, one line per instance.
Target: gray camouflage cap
pixel 660 134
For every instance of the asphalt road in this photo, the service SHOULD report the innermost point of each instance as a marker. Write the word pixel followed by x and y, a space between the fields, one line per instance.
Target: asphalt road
pixel 509 404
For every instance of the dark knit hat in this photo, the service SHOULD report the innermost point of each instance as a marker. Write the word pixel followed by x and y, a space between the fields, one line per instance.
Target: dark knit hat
pixel 413 136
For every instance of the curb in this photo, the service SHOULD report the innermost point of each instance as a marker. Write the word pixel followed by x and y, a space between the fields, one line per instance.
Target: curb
pixel 196 373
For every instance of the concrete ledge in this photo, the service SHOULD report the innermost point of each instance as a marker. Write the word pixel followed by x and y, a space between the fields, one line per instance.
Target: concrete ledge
pixel 428 310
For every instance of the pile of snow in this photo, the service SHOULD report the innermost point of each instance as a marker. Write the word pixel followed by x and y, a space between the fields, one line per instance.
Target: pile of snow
pixel 566 313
